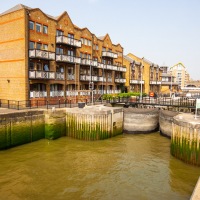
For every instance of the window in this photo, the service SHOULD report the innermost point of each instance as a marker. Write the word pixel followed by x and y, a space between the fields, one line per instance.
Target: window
pixel 31 66
pixel 45 47
pixel 39 46
pixel 38 27
pixel 46 67
pixel 31 45
pixel 103 49
pixel 45 29
pixel 31 25
pixel 59 50
pixel 39 66
pixel 59 33
pixel 70 53
pixel 81 55
pixel 89 43
pixel 70 35
pixel 89 56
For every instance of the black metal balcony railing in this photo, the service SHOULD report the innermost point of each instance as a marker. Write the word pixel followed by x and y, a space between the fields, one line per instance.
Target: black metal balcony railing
pixel 67 40
pixel 35 53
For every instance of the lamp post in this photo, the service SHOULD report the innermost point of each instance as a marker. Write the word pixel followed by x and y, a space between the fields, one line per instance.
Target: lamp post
pixel 171 87
pixel 141 81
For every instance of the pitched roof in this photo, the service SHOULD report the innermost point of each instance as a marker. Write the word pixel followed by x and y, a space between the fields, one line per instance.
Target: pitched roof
pixel 101 37
pixel 15 8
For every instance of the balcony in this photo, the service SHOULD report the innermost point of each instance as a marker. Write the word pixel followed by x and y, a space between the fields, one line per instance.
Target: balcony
pixel 109 80
pixel 69 59
pixel 38 94
pixel 88 78
pixel 134 82
pixel 89 62
pixel 109 54
pixel 34 74
pixel 101 79
pixel 70 77
pixel 155 82
pixel 101 66
pixel 41 54
pixel 57 93
pixel 122 69
pixel 141 82
pixel 120 80
pixel 68 41
pixel 60 76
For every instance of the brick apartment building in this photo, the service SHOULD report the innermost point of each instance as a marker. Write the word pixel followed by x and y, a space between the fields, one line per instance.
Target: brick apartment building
pixel 46 57
pixel 142 74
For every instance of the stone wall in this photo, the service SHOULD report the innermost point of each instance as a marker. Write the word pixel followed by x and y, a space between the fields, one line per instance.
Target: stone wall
pixel 165 122
pixel 140 120
pixel 185 140
pixel 94 122
pixel 21 128
pixel 55 123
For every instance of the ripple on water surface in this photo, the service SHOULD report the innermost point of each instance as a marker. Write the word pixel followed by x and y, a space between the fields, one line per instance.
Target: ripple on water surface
pixel 124 167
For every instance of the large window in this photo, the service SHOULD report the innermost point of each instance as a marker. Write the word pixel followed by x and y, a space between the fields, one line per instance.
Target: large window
pixel 31 45
pixel 70 53
pixel 103 49
pixel 31 65
pixel 39 46
pixel 86 42
pixel 45 47
pixel 45 29
pixel 59 33
pixel 38 27
pixel 70 35
pixel 59 50
pixel 31 25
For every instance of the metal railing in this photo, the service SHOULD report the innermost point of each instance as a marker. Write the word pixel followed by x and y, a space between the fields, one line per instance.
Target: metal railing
pixel 160 101
pixel 46 104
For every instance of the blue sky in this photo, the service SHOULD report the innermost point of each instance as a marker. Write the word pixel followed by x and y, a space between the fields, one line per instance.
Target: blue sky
pixel 163 31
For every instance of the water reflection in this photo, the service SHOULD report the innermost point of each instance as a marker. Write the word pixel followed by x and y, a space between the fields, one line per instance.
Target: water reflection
pixel 124 167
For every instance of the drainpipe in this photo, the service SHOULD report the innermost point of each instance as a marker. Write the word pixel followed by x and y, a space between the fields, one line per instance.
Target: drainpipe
pixel 27 43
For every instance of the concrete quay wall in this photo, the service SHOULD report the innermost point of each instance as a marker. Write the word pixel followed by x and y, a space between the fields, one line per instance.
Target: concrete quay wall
pixel 138 120
pixel 21 127
pixel 185 140
pixel 89 123
pixel 165 122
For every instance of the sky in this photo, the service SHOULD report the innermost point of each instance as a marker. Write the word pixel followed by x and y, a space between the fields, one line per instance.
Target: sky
pixel 165 32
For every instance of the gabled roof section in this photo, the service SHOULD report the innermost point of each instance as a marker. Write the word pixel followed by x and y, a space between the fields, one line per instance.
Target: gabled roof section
pixel 131 60
pixel 101 37
pixel 128 58
pixel 15 8
pixel 64 14
pixel 86 29
pixel 178 64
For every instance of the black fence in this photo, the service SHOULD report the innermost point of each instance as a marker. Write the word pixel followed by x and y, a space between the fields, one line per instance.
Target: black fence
pixel 161 101
pixel 44 104
pixel 126 101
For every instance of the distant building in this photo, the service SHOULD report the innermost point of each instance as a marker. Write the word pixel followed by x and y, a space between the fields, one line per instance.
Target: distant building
pixel 180 74
pixel 168 84
pixel 142 74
